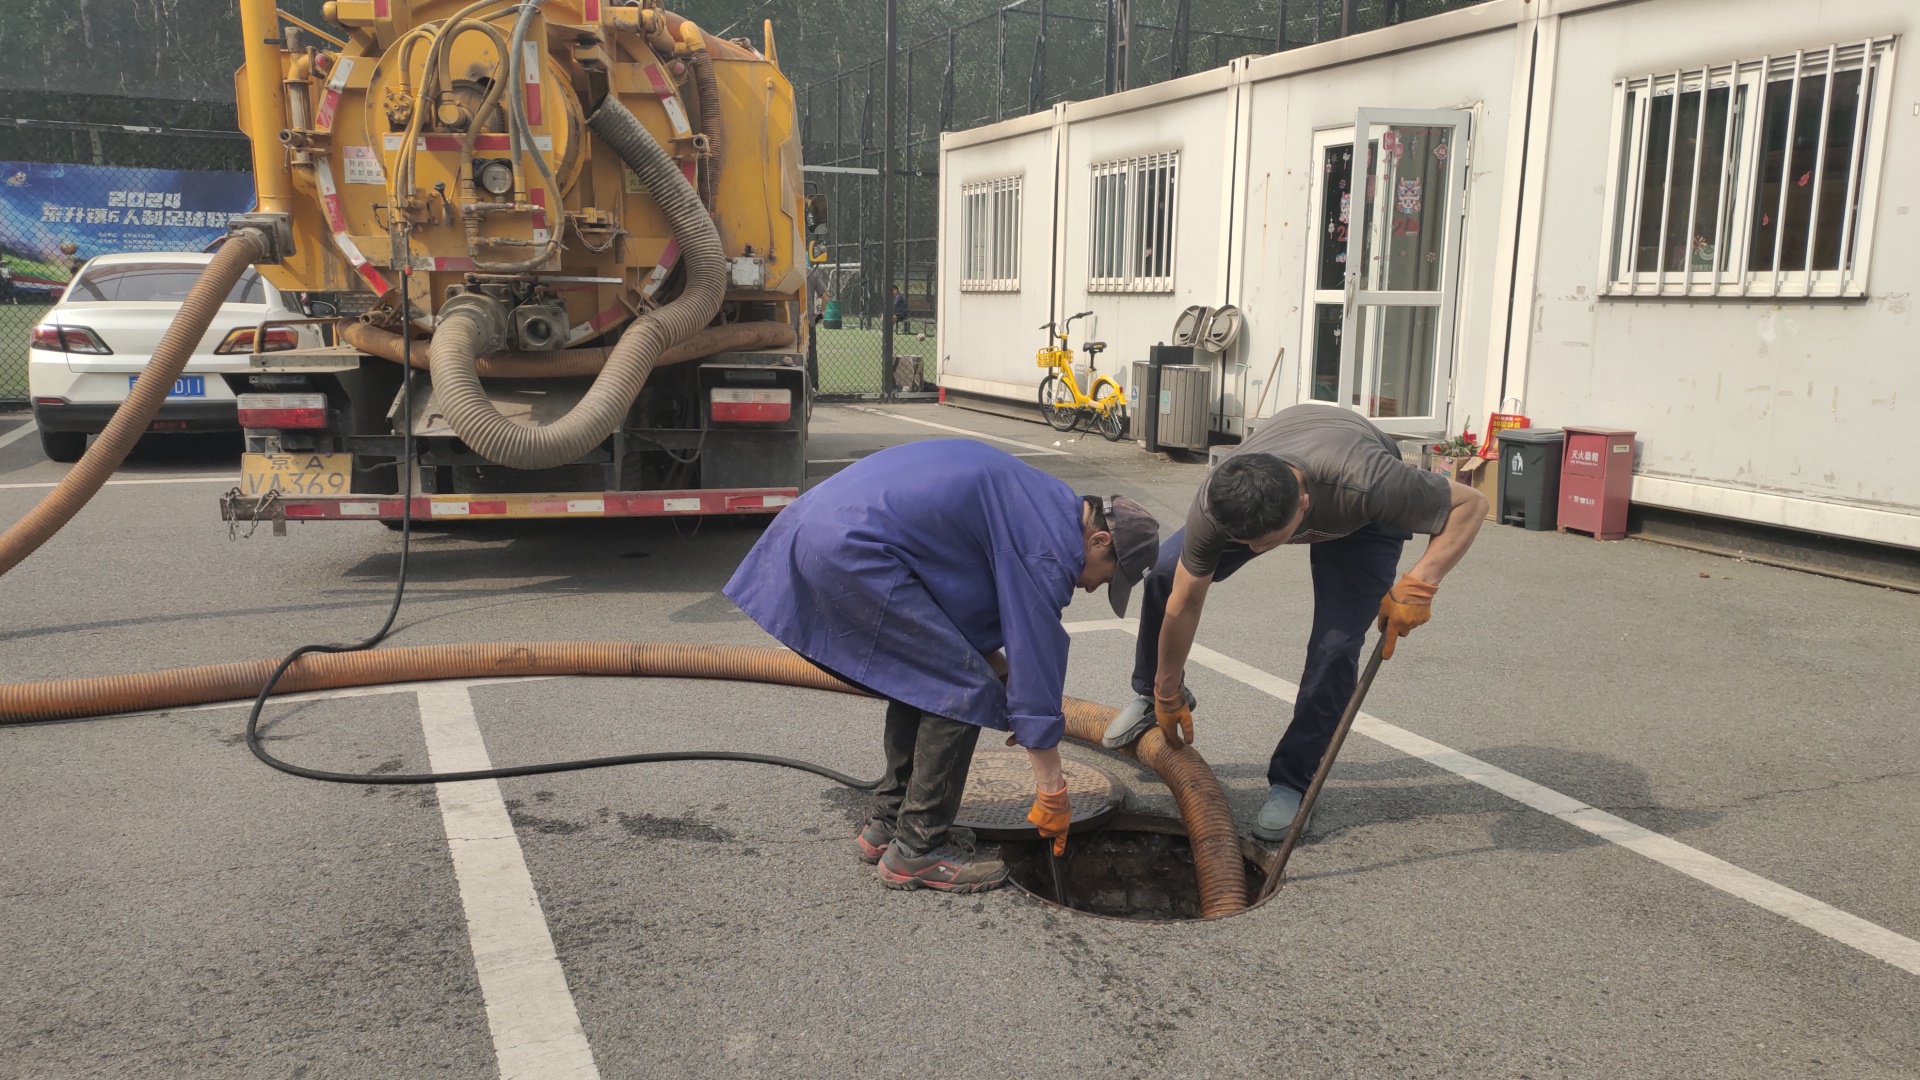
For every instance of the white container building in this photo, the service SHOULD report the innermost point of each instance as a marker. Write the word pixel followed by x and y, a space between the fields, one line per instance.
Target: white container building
pixel 1691 218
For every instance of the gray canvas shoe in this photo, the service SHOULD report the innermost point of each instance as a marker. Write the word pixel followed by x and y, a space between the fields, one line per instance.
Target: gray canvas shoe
pixel 1134 720
pixel 957 866
pixel 1282 804
pixel 875 835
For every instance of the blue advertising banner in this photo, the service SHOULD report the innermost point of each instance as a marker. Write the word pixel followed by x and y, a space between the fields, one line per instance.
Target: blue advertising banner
pixel 100 210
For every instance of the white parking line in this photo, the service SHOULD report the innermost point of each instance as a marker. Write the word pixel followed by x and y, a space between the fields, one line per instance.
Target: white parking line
pixel 18 433
pixel 536 1030
pixel 961 431
pixel 1822 918
pixel 126 483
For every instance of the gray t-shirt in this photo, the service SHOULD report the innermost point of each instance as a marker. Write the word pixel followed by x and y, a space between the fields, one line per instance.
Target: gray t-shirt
pixel 1355 477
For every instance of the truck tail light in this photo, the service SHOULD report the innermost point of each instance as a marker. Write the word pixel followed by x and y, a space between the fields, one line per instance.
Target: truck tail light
pixel 751 406
pixel 70 339
pixel 283 411
pixel 278 339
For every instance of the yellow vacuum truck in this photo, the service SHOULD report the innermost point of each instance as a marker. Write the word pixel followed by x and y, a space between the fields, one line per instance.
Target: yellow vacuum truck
pixel 559 243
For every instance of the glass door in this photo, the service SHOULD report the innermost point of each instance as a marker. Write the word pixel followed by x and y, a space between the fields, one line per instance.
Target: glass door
pixel 1403 204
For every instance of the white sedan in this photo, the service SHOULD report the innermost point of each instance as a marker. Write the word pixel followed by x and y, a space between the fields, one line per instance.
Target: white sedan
pixel 90 347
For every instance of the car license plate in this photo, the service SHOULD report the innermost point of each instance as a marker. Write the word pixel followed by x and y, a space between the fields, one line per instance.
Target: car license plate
pixel 296 474
pixel 184 386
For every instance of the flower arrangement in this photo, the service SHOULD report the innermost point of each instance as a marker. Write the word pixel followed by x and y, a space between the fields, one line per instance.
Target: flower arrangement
pixel 1465 444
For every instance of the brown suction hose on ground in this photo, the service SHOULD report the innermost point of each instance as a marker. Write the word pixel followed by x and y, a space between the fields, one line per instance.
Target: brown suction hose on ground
pixel 1203 806
pixel 130 421
pixel 575 363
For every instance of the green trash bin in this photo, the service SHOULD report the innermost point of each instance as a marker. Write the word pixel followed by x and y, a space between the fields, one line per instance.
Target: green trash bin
pixel 830 315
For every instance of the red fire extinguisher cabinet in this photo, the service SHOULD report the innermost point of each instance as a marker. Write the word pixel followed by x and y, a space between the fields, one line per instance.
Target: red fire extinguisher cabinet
pixel 1596 481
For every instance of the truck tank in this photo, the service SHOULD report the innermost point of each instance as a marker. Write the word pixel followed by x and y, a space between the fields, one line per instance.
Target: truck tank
pixel 595 214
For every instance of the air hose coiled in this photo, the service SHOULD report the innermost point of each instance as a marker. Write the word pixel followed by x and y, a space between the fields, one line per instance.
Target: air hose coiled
pixel 464 334
pixel 1203 806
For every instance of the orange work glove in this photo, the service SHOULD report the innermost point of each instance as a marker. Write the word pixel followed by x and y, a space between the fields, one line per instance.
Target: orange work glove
pixel 1407 605
pixel 1052 814
pixel 1175 719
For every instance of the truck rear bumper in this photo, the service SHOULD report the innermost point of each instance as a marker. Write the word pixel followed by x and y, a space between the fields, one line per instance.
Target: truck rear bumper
pixel 597 504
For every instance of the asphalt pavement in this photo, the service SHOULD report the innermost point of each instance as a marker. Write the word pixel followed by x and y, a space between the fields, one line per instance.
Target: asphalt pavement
pixel 1717 882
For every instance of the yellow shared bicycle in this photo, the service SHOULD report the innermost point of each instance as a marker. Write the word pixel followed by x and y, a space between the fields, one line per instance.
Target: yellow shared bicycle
pixel 1103 407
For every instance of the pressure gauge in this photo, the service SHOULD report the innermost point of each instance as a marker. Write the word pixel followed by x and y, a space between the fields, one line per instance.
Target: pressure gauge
pixel 495 176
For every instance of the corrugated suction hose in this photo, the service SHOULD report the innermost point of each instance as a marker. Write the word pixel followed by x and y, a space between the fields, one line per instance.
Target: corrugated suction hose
pixel 1203 806
pixel 130 421
pixel 575 363
pixel 464 333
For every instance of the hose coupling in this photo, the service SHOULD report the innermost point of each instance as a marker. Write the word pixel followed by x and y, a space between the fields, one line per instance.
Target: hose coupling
pixel 487 315
pixel 273 233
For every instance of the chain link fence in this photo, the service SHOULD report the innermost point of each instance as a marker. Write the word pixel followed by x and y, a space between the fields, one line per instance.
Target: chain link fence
pixel 1018 59
pixel 70 191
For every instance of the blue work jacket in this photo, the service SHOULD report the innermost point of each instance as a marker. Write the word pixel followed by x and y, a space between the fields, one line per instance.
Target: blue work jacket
pixel 903 571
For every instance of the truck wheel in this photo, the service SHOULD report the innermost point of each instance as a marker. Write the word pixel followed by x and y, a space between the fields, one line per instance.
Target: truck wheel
pixel 63 446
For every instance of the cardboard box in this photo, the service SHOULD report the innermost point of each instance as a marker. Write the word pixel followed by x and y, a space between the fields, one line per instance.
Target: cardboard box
pixel 1477 473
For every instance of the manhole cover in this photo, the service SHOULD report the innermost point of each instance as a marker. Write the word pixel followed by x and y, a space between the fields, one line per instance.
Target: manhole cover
pixel 1000 792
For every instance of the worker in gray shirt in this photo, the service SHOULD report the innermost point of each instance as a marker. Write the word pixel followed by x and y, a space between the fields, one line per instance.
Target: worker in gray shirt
pixel 1318 475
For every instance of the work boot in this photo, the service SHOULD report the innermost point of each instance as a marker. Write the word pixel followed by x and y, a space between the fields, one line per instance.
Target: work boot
pixel 1282 804
pixel 955 867
pixel 1134 720
pixel 875 835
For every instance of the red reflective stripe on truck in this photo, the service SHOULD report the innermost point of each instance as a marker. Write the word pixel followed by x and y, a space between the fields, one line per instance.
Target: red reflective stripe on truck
pixel 531 66
pixel 548 505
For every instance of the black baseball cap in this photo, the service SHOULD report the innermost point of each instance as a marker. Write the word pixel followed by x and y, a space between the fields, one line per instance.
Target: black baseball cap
pixel 1136 541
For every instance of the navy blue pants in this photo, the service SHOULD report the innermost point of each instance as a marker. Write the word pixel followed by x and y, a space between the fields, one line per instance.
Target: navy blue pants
pixel 1350 575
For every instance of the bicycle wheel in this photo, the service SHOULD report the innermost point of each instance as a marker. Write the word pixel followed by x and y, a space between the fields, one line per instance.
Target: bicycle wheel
pixel 1056 404
pixel 1110 410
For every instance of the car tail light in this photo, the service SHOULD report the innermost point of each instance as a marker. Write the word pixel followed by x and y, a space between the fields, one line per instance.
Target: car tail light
pixel 72 339
pixel 751 406
pixel 278 339
pixel 283 411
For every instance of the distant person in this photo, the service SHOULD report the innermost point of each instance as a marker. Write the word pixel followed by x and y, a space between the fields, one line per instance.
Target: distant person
pixel 899 310
pixel 911 574
pixel 1326 477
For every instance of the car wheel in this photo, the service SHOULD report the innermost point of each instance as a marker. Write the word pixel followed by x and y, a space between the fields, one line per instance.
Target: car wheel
pixel 63 446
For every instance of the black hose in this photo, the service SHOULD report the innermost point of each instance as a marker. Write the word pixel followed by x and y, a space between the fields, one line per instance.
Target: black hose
pixel 386 627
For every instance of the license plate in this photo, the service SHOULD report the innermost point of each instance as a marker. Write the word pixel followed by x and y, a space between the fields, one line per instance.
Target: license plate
pixel 184 386
pixel 296 474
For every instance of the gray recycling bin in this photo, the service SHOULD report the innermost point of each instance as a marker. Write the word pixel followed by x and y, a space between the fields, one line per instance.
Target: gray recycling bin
pixel 1530 477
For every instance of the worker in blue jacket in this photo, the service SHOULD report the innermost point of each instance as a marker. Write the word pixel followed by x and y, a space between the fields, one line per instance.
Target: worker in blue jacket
pixel 907 574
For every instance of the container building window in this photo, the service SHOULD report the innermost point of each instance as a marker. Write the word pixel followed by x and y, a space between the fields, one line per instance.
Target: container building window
pixel 1754 178
pixel 1132 234
pixel 992 215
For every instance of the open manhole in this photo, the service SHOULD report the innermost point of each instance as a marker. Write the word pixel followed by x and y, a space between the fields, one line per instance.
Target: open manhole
pixel 1119 865
pixel 1121 873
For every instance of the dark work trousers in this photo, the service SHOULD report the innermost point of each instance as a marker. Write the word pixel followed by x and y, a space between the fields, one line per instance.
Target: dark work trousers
pixel 928 758
pixel 1350 575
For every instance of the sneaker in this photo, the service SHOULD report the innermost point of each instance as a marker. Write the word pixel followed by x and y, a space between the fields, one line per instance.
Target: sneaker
pixel 1282 804
pixel 875 835
pixel 955 867
pixel 1134 720
pixel 873 839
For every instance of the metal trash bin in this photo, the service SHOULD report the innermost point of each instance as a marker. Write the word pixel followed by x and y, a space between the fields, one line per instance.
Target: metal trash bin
pixel 1596 482
pixel 1182 411
pixel 1530 477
